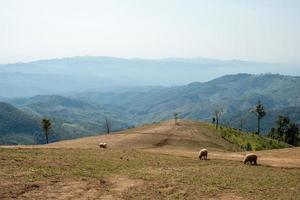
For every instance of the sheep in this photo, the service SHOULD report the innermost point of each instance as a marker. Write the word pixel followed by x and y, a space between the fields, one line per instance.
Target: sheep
pixel 103 145
pixel 203 153
pixel 252 158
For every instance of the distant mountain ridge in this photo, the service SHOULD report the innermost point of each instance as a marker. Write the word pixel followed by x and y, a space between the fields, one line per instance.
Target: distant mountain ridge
pixel 73 74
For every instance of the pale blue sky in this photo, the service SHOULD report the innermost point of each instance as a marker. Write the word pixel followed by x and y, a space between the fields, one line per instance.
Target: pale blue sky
pixel 260 30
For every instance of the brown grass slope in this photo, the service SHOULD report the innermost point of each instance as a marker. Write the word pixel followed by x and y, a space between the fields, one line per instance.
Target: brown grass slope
pixel 157 161
pixel 185 139
pixel 188 134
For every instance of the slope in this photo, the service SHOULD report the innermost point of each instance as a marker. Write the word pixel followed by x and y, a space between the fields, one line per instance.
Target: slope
pixel 17 126
pixel 184 140
pixel 237 94
pixel 188 134
pixel 74 118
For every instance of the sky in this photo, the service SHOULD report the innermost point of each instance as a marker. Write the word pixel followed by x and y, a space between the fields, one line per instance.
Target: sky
pixel 257 30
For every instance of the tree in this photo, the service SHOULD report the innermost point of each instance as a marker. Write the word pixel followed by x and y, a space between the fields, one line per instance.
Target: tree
pixel 242 122
pixel 176 118
pixel 213 120
pixel 292 136
pixel 46 125
pixel 282 127
pixel 285 130
pixel 260 113
pixel 218 112
pixel 107 125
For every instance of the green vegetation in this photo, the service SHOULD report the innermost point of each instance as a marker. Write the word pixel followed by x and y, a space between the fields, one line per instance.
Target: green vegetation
pixel 83 114
pixel 17 139
pixel 18 127
pixel 160 176
pixel 286 131
pixel 236 93
pixel 250 141
pixel 70 119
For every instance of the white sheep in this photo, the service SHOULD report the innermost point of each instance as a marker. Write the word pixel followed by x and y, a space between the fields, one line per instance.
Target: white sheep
pixel 252 158
pixel 203 153
pixel 103 145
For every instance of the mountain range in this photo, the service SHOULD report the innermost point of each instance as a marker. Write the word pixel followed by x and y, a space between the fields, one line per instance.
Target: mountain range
pixel 87 73
pixel 236 94
pixel 79 114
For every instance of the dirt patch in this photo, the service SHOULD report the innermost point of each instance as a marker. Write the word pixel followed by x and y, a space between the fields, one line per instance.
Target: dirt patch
pixel 225 196
pixel 162 143
pixel 67 189
pixel 113 188
pixel 119 186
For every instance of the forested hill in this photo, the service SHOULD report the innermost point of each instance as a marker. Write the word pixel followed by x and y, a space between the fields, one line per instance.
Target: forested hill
pixel 17 126
pixel 83 114
pixel 236 94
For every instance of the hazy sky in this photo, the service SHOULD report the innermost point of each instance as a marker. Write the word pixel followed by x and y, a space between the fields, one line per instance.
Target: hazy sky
pixel 261 30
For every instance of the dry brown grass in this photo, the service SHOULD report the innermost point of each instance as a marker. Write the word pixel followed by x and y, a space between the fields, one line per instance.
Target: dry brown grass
pixel 150 162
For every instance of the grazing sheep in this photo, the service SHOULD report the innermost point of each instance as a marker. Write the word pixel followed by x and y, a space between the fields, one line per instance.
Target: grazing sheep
pixel 203 153
pixel 252 158
pixel 103 145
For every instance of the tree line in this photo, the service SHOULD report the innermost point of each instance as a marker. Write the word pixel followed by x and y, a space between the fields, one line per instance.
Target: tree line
pixel 285 130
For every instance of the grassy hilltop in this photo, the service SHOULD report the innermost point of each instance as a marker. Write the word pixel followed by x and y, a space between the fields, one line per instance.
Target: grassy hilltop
pixel 157 161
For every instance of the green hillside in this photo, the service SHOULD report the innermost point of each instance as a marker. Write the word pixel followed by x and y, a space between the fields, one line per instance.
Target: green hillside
pixel 250 141
pixel 18 127
pixel 70 119
pixel 83 114
pixel 237 94
pixel 68 112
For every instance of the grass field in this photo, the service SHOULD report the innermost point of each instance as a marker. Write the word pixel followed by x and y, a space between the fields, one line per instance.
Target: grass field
pixel 111 174
pixel 159 165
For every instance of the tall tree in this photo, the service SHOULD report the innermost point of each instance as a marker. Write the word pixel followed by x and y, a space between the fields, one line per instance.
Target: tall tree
pixel 46 125
pixel 218 112
pixel 107 125
pixel 260 112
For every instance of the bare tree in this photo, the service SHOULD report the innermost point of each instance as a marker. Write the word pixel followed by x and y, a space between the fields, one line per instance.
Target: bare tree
pixel 176 118
pixel 107 125
pixel 46 125
pixel 218 112
pixel 242 123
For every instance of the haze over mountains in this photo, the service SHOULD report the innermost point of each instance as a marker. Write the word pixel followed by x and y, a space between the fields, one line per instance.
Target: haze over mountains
pixel 77 74
pixel 78 93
